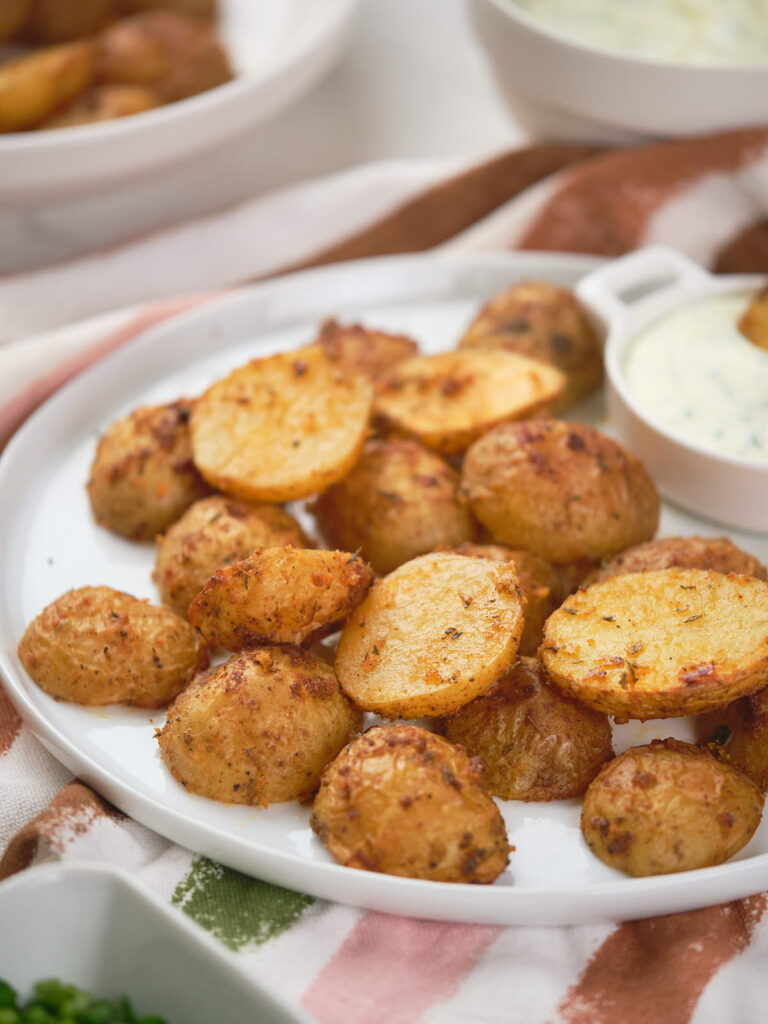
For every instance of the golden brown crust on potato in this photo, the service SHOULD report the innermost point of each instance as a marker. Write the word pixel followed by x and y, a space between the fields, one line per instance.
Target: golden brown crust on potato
pixel 403 801
pixel 369 351
pixel 96 645
pixel 660 644
pixel 58 21
pixel 282 595
pixel 535 743
pixel 431 636
pixel 738 733
pixel 35 86
pixel 282 428
pixel 259 729
pixel 449 400
pixel 539 320
pixel 103 103
pixel 143 477
pixel 753 323
pixel 668 807
pixel 716 553
pixel 561 490
pixel 212 533
pixel 398 502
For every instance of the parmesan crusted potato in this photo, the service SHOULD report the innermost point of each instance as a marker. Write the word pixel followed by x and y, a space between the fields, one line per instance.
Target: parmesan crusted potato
pixel 259 729
pixel 143 477
pixel 57 21
pixel 562 490
pixel 280 595
pixel 753 323
pixel 535 744
pixel 740 733
pixel 34 86
pixel 398 502
pixel 212 533
pixel 103 103
pixel 717 553
pixel 431 636
pixel 96 645
pixel 282 428
pixel 13 17
pixel 371 352
pixel 660 644
pixel 667 807
pixel 403 801
pixel 449 400
pixel 540 320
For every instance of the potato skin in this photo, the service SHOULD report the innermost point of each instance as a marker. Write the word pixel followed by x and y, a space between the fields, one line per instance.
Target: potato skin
pixel 535 744
pixel 739 732
pixel 562 490
pixel 371 352
pixel 96 645
pixel 398 502
pixel 212 533
pixel 259 729
pixel 716 553
pixel 668 807
pixel 35 86
pixel 403 801
pixel 103 103
pixel 57 21
pixel 143 477
pixel 281 595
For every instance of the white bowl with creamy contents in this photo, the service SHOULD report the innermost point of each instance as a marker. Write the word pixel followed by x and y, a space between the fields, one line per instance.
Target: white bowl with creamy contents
pixel 686 391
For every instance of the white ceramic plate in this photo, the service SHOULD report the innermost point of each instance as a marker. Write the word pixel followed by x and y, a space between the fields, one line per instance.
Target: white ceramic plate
pixel 279 49
pixel 48 544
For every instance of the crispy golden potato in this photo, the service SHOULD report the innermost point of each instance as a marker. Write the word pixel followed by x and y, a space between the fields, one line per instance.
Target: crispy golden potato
pixel 259 729
pixel 540 320
pixel 660 644
pixel 212 533
pixel 371 352
pixel 739 731
pixel 58 21
pixel 192 8
pixel 143 477
pixel 103 103
pixel 449 400
pixel 562 490
pixel 753 323
pixel 667 807
pixel 33 87
pixel 96 645
pixel 398 502
pixel 403 801
pixel 716 553
pixel 282 428
pixel 535 744
pixel 280 595
pixel 13 17
pixel 431 636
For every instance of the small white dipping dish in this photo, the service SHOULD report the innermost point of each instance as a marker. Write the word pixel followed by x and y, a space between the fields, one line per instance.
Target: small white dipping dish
pixel 639 292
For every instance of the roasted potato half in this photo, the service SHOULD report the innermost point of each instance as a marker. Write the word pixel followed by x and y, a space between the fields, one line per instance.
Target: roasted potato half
pixel 103 103
pixel 716 553
pixel 143 477
pixel 667 807
pixel 398 502
pixel 371 352
pixel 259 729
pixel 660 644
pixel 562 490
pixel 535 743
pixel 13 17
pixel 431 636
pixel 282 595
pixel 283 427
pixel 96 645
pixel 212 533
pixel 35 86
pixel 739 731
pixel 403 801
pixel 58 21
pixel 753 323
pixel 449 400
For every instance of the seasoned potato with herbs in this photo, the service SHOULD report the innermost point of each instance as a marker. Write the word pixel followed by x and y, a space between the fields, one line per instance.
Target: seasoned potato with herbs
pixel 372 352
pixel 282 428
pixel 96 645
pixel 740 732
pixel 660 644
pixel 282 595
pixel 35 86
pixel 562 490
pixel 398 502
pixel 535 744
pixel 57 21
pixel 143 477
pixel 258 729
pixel 668 807
pixel 13 16
pixel 540 320
pixel 449 400
pixel 103 103
pixel 431 636
pixel 753 323
pixel 716 553
pixel 212 533
pixel 403 801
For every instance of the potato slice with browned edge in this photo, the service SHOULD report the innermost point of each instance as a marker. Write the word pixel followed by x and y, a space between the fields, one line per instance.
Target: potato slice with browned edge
pixel 660 644
pixel 449 400
pixel 282 428
pixel 282 595
pixel 35 86
pixel 372 352
pixel 716 553
pixel 431 636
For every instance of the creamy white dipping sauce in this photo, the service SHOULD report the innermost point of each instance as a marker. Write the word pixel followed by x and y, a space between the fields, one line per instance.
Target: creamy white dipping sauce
pixel 682 31
pixel 698 377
